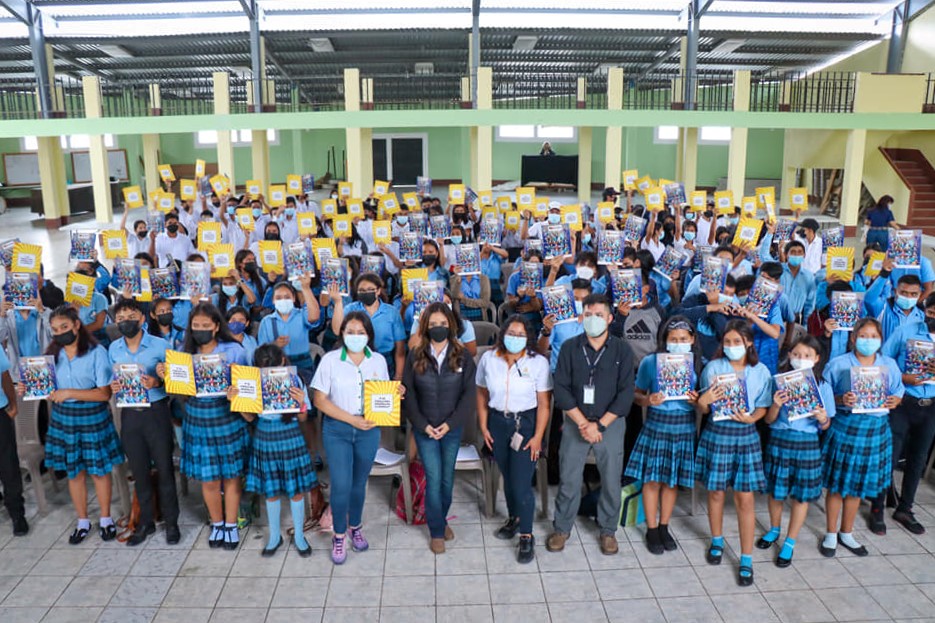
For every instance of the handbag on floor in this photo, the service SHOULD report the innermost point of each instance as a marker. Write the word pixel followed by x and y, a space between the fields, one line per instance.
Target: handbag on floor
pixel 417 483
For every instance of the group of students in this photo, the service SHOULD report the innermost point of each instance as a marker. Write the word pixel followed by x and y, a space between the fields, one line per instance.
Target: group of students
pixel 560 389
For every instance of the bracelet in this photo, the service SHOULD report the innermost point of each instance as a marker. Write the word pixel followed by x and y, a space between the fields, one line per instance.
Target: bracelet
pixel 545 333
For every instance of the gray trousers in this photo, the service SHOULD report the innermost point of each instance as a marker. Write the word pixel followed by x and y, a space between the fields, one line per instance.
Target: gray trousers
pixel 573 454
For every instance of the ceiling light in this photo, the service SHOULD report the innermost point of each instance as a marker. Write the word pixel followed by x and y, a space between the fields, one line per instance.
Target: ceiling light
pixel 424 69
pixel 525 43
pixel 727 46
pixel 114 51
pixel 321 44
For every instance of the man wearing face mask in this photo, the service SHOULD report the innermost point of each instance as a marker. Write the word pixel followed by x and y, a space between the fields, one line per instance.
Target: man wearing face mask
pixel 231 233
pixel 808 235
pixel 171 243
pixel 585 269
pixel 899 310
pixel 288 223
pixel 261 216
pixel 400 224
pixel 534 230
pixel 146 432
pixel 594 383
pixel 912 422
pixel 798 286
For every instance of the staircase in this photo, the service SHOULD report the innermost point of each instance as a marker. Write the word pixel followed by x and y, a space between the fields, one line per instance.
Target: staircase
pixel 919 176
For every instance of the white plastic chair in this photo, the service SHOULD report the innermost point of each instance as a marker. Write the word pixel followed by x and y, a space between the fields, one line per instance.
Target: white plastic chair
pixel 399 468
pixel 30 449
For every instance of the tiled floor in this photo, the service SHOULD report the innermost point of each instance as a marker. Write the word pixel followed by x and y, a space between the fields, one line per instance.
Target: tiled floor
pixel 42 578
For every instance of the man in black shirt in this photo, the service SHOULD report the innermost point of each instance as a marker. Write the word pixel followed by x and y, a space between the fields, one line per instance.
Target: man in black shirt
pixel 594 388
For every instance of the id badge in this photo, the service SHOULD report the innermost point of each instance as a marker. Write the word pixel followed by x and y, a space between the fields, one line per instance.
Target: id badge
pixel 589 394
pixel 516 442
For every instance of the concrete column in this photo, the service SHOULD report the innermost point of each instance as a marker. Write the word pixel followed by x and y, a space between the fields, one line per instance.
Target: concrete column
pixel 614 146
pixel 737 152
pixel 222 106
pixel 581 93
pixel 52 178
pixel 585 144
pixel 853 176
pixel 155 100
pixel 259 151
pixel 484 177
pixel 298 152
pixel 97 152
pixel 689 158
pixel 355 136
pixel 151 161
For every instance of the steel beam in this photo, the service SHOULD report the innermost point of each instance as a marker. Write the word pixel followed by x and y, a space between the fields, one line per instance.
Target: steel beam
pixel 695 11
pixel 475 49
pixel 24 11
pixel 252 11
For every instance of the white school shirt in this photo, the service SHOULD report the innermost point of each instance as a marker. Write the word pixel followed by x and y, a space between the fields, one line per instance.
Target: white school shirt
pixel 365 231
pixel 289 229
pixel 232 234
pixel 338 378
pixel 513 389
pixel 704 230
pixel 135 245
pixel 813 249
pixel 179 248
pixel 656 248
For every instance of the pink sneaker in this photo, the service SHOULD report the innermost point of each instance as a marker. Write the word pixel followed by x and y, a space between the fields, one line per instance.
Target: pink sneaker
pixel 358 542
pixel 338 553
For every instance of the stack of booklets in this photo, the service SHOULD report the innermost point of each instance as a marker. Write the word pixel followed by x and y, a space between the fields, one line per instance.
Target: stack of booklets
pixel 559 301
pixel 801 388
pixel 675 375
pixel 626 285
pixel 868 384
pixel 37 374
pixel 265 391
pixel 734 400
pixel 129 377
pixel 763 295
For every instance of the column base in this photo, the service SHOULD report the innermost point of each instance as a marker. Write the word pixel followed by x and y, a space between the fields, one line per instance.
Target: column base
pixel 56 223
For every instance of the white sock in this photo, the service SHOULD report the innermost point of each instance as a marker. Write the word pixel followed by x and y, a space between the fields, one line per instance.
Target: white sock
pixel 106 521
pixel 84 524
pixel 831 540
pixel 848 539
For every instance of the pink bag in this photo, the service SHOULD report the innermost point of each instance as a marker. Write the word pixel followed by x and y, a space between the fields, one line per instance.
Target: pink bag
pixel 417 484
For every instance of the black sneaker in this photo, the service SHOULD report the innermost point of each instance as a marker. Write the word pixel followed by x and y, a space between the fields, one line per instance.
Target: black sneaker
pixel 654 542
pixel 139 535
pixel 527 549
pixel 20 526
pixel 876 523
pixel 108 533
pixel 173 534
pixel 908 521
pixel 78 536
pixel 667 541
pixel 508 530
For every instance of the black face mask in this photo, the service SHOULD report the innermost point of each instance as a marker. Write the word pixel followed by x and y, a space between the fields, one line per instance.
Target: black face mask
pixel 141 234
pixel 930 323
pixel 800 233
pixel 172 228
pixel 367 298
pixel 460 217
pixel 429 260
pixel 438 334
pixel 202 337
pixel 271 236
pixel 216 204
pixel 128 328
pixel 164 320
pixel 250 267
pixel 708 214
pixel 64 339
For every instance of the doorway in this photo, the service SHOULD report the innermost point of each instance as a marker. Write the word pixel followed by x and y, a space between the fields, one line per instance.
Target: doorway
pixel 400 158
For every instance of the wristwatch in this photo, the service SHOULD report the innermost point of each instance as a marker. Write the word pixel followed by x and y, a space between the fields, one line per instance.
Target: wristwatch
pixel 600 427
pixel 545 332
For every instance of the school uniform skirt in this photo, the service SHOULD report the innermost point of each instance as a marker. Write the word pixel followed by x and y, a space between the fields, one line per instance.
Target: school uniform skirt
pixel 729 456
pixel 215 441
pixel 665 450
pixel 82 438
pixel 858 455
pixel 793 465
pixel 279 464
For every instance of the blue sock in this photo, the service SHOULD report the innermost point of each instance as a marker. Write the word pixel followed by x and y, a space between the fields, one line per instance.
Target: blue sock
pixel 298 523
pixel 746 560
pixel 787 547
pixel 772 535
pixel 717 542
pixel 272 513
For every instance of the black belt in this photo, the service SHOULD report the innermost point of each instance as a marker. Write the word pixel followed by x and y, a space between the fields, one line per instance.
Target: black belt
pixel 918 402
pixel 515 414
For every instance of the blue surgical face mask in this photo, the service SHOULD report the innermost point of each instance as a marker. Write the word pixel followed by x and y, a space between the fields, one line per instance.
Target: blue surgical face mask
pixel 514 343
pixel 689 236
pixel 229 290
pixel 402 220
pixel 868 346
pixel 290 211
pixel 237 327
pixel 733 220
pixel 284 306
pixel 723 299
pixel 555 219
pixel 594 326
pixel 679 347
pixel 735 353
pixel 257 212
pixel 231 209
pixel 906 302
pixel 586 238
pixel 456 239
pixel 796 260
pixel 742 299
pixel 356 343
pixel 690 216
pixel 579 307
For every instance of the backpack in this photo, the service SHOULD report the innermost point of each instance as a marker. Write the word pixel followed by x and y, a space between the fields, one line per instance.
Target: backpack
pixel 417 484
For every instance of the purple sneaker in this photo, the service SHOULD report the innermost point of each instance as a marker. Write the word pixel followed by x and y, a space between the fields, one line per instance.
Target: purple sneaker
pixel 358 542
pixel 338 553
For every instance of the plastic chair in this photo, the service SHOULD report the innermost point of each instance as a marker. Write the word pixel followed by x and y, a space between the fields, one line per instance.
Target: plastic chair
pixel 121 472
pixel 503 312
pixel 486 333
pixel 399 468
pixel 30 449
pixel 490 313
pixel 316 351
pixel 472 438
pixel 481 350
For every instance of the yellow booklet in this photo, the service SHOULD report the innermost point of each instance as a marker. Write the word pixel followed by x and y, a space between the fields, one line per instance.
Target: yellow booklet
pixel 165 201
pixel 511 220
pixel 307 224
pixel 187 190
pixel 153 197
pixel 457 194
pixel 329 207
pixel 655 200
pixel 748 206
pixel 341 226
pixel 165 172
pixel 380 187
pixel 79 289
pixel 323 248
pixel 26 258
pixel 645 183
pixel 410 199
pixel 294 184
pixel 389 204
pixel 605 212
pixel 629 179
pixel 114 242
pixel 748 232
pixel 345 189
pixel 504 204
pixel 526 197
pixel 253 188
pixel 381 402
pixel 133 197
pixel 698 200
pixel 765 195
pixel 146 288
pixel 382 232
pixel 277 195
pixel 221 184
pixel 221 257
pixel 271 256
pixel 180 373
pixel 540 207
pixel 798 199
pixel 485 198
pixel 571 216
pixel 840 263
pixel 875 264
pixel 245 219
pixel 199 168
pixel 724 201
pixel 208 233
pixel 355 207
pixel 409 277
pixel 249 398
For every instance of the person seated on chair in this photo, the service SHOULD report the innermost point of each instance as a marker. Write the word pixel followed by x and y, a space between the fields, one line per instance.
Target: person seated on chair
pixel 546 149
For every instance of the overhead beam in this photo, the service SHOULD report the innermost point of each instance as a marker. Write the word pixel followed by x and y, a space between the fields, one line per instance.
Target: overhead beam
pixel 30 15
pixel 252 11
pixel 660 60
pixel 898 31
pixel 694 13
pixel 475 49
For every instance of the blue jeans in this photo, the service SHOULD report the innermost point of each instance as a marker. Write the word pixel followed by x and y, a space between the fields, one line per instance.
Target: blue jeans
pixel 517 467
pixel 438 460
pixel 350 456
pixel 880 236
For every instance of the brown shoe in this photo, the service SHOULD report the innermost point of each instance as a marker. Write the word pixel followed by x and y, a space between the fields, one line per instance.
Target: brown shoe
pixel 556 542
pixel 609 545
pixel 449 534
pixel 437 546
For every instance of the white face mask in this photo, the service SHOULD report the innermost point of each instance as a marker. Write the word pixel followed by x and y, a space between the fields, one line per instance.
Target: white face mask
pixel 802 364
pixel 584 272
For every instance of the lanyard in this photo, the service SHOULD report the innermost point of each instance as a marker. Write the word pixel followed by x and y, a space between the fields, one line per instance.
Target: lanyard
pixel 593 366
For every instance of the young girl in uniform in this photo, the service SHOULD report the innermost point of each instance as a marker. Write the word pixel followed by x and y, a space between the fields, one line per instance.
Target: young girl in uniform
pixel 288 327
pixel 82 439
pixel 729 454
pixel 664 456
pixel 280 465
pixel 238 321
pixel 792 459
pixel 214 440
pixel 858 450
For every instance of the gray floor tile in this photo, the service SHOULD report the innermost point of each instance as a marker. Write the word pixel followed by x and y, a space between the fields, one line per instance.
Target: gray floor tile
pixel 689 609
pixel 299 593
pixel 247 592
pixel 352 592
pixel 240 615
pixel 18 562
pixel 318 565
pixel 212 562
pixel 294 615
pixel 503 560
pixel 769 577
pixel 72 615
pixel 110 561
pixel 408 591
pixel 416 614
pixel 824 573
pixel 569 586
pixel 798 607
pixel 194 592
pixel 920 569
pixel 159 562
pixel 674 582
pixel 851 604
pixel 251 564
pixel 89 591
pixel 621 584
pixel 624 559
pixel 524 612
pixel 463 561
pixel 902 602
pixel 370 563
pixel 872 570
pixel 183 615
pixel 572 558
pixel 632 610
pixel 7 584
pixel 37 592
pixel 127 615
pixel 138 592
pixel 351 615
pixel 419 561
pixel 61 562
pixel 464 614
pixel 21 615
pixel 744 607
pixel 461 590
pixel 518 588
pixel 577 612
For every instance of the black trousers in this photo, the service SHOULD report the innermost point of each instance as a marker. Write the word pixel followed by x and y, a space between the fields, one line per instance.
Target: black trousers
pixel 148 440
pixel 913 429
pixel 10 476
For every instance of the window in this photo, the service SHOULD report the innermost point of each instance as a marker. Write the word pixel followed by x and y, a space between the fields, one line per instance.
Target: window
pixel 667 134
pixel 709 135
pixel 73 142
pixel 555 133
pixel 240 138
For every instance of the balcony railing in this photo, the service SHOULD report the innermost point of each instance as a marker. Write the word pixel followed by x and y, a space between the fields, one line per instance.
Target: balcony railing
pixel 830 92
pixel 535 91
pixel 416 92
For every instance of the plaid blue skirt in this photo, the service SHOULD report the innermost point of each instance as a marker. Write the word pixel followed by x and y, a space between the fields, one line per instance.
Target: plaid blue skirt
pixel 280 464
pixel 793 465
pixel 215 441
pixel 665 450
pixel 82 438
pixel 858 455
pixel 729 456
